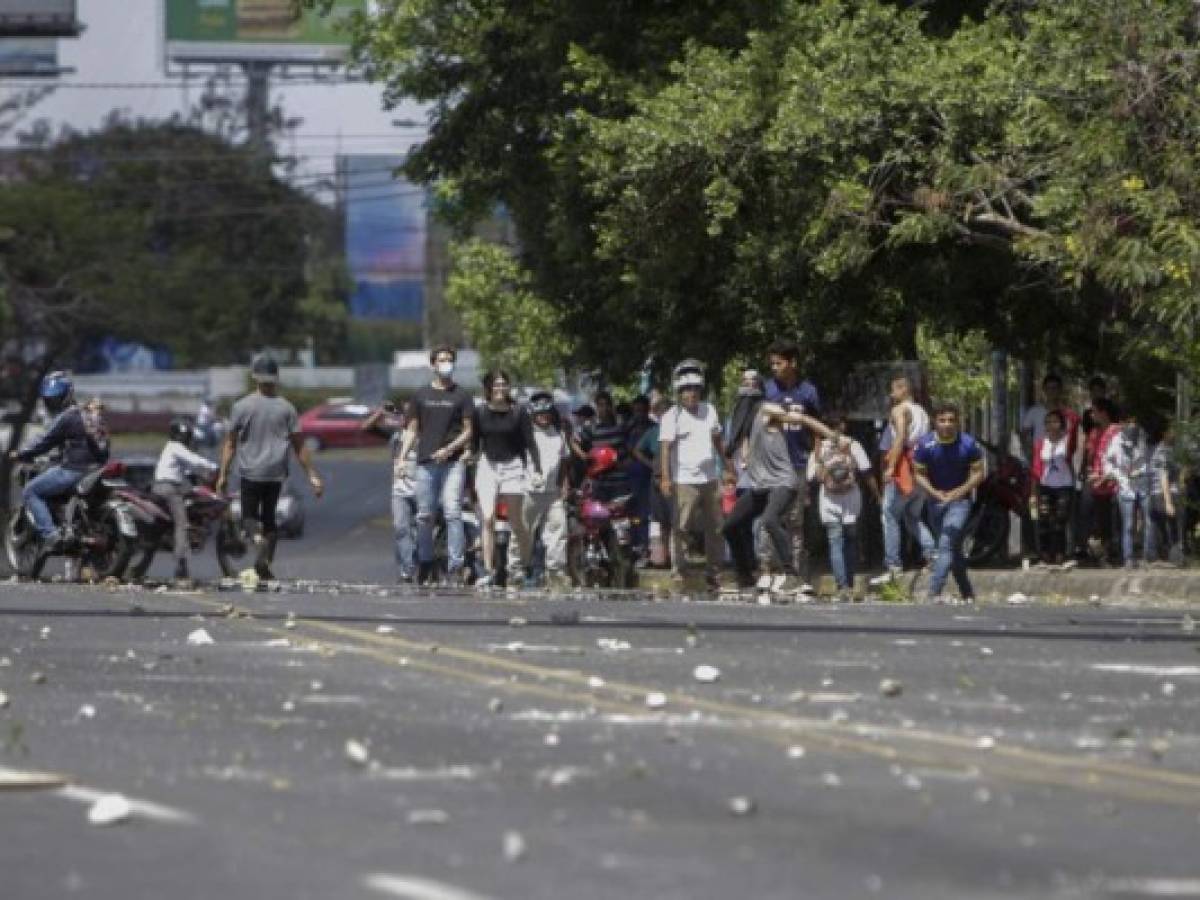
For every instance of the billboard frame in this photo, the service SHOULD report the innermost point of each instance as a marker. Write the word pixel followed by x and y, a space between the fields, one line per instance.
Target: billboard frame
pixel 276 53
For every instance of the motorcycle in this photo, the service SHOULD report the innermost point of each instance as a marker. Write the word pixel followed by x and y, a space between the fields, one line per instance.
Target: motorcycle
pixel 97 523
pixel 600 531
pixel 1005 490
pixel 208 513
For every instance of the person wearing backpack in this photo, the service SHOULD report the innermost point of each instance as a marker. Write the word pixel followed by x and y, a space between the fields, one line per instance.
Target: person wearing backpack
pixel 838 465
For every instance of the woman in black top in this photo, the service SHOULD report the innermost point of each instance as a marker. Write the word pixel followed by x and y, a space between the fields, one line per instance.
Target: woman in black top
pixel 508 466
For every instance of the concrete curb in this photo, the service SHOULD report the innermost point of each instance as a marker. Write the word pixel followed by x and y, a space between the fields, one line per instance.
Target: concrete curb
pixel 1104 586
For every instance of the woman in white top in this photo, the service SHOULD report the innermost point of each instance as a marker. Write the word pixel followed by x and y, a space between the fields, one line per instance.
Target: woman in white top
pixel 839 464
pixel 1053 474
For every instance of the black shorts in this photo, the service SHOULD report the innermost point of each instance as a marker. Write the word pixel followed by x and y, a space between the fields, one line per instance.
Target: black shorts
pixel 259 499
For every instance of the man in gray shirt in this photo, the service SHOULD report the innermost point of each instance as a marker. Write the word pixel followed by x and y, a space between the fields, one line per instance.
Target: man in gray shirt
pixel 262 429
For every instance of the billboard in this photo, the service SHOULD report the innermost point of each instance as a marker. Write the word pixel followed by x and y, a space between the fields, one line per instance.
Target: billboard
pixel 45 18
pixel 24 57
pixel 256 30
pixel 385 221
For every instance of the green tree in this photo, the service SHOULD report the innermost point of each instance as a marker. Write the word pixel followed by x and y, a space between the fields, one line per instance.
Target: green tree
pixel 513 327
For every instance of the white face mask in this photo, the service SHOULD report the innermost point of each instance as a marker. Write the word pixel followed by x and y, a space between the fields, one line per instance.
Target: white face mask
pixel 445 369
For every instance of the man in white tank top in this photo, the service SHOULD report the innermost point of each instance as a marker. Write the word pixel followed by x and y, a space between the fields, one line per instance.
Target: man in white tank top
pixel 908 424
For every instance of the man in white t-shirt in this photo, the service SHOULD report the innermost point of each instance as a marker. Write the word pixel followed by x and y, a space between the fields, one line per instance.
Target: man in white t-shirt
pixel 691 443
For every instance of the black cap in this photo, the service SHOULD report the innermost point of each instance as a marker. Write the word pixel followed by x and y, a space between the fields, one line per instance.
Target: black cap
pixel 265 370
pixel 586 411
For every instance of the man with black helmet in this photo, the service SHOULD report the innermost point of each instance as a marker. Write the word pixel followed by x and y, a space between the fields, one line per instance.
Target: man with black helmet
pixel 691 439
pixel 83 446
pixel 263 427
pixel 176 464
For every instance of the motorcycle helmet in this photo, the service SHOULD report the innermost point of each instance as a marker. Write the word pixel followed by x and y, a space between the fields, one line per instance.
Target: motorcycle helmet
pixel 688 374
pixel 600 461
pixel 57 391
pixel 540 403
pixel 181 430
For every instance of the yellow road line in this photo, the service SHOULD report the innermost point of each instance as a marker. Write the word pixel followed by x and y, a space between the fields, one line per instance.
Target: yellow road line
pixel 914 746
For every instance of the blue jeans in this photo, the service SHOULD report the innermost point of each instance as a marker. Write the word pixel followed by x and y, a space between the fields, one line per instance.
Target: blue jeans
pixel 404 521
pixel 947 521
pixel 1129 507
pixel 903 510
pixel 440 485
pixel 843 552
pixel 54 482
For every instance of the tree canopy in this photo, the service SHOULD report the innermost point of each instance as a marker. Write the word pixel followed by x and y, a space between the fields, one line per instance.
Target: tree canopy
pixel 695 178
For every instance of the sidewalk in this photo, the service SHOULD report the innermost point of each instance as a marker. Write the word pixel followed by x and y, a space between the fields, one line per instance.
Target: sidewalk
pixel 1144 587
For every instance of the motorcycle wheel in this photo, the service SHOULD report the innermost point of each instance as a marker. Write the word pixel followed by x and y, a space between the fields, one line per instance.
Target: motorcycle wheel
pixel 22 546
pixel 231 548
pixel 621 573
pixel 113 559
pixel 986 534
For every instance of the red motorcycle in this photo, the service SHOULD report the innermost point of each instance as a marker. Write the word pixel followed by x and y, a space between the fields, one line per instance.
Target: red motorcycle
pixel 207 513
pixel 1004 491
pixel 600 531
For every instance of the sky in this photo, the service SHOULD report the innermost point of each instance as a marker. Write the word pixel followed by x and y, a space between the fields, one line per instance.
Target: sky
pixel 122 43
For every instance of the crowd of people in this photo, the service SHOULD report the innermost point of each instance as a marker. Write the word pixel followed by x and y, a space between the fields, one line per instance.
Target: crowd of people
pixel 740 487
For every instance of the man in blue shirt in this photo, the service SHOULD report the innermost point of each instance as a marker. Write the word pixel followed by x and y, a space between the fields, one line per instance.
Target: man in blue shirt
pixel 948 466
pixel 795 394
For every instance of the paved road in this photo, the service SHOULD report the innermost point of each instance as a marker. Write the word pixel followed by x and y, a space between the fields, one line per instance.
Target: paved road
pixel 1033 753
pixel 510 751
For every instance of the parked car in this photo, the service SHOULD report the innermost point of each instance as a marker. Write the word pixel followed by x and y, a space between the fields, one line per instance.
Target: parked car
pixel 338 423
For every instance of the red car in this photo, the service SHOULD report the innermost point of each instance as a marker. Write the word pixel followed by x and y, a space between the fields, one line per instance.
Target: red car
pixel 339 424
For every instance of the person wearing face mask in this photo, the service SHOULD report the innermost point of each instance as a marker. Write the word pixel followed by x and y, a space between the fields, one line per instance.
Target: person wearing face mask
pixel 1126 461
pixel 508 463
pixel 440 429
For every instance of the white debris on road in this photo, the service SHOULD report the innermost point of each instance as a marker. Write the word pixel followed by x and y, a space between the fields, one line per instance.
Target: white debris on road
pixel 613 644
pixel 111 809
pixel 706 674
pixel 357 752
pixel 199 638
pixel 742 806
pixel 656 700
pixel 514 846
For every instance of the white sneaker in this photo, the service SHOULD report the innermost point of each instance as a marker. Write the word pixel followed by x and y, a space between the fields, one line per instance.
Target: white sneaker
pixel 483 582
pixel 806 588
pixel 886 578
pixel 779 584
pixel 764 583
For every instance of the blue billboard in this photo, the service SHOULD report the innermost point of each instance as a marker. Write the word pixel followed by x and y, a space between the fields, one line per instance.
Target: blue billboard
pixel 385 239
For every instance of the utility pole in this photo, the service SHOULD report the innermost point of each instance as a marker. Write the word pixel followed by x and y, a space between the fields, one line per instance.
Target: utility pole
pixel 258 105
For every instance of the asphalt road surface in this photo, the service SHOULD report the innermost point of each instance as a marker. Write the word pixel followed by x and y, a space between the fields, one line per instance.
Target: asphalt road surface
pixel 338 742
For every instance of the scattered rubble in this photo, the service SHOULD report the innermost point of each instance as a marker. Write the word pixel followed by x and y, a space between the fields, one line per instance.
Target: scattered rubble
pixel 889 687
pixel 742 806
pixel 111 809
pixel 200 638
pixel 706 674
pixel 357 752
pixel 514 846
pixel 656 700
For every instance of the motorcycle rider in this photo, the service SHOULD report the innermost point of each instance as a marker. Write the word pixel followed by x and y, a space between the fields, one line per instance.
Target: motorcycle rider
pixel 84 445
pixel 263 428
pixel 177 462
